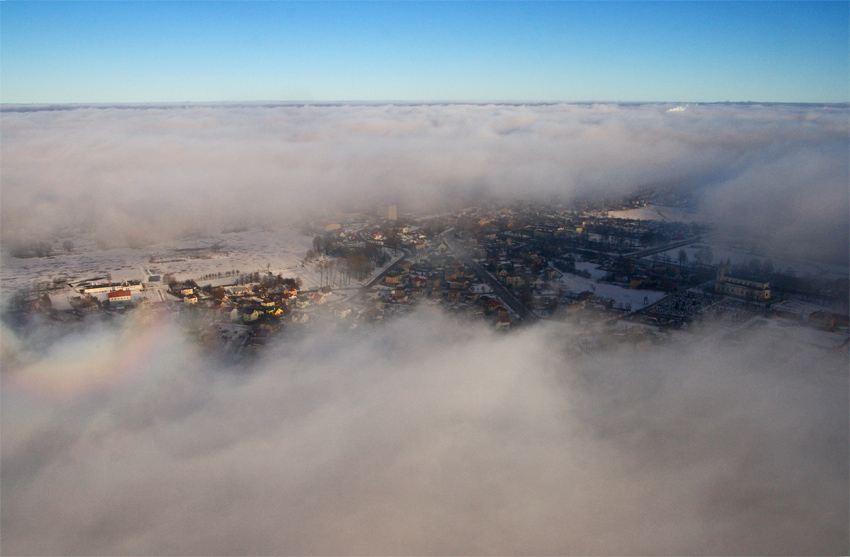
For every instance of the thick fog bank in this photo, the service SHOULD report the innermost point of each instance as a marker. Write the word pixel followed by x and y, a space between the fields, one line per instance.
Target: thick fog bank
pixel 423 436
pixel 138 174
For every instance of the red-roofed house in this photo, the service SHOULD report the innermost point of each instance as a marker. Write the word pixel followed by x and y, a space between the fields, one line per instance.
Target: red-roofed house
pixel 119 296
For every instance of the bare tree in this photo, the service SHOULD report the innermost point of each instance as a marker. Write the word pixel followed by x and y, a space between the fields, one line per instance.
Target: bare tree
pixel 328 265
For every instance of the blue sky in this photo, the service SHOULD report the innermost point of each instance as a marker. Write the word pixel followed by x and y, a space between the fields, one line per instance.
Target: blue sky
pixel 79 52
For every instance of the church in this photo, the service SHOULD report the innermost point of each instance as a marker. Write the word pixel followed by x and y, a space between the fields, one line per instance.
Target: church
pixel 740 288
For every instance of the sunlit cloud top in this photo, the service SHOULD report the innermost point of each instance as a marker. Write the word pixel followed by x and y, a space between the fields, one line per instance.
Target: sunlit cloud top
pixel 778 172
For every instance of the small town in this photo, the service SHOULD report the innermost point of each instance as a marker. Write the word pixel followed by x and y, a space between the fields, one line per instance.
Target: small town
pixel 425 278
pixel 619 280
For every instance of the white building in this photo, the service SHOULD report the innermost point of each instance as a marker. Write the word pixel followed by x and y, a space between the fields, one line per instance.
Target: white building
pixel 112 287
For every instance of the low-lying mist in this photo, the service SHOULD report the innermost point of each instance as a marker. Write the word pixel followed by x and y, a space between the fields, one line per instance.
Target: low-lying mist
pixel 423 435
pixel 776 173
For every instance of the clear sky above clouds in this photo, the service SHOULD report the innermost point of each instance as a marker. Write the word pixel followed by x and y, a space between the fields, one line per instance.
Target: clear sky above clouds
pixel 77 52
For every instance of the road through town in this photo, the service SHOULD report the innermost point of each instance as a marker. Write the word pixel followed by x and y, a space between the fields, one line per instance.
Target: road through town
pixel 509 299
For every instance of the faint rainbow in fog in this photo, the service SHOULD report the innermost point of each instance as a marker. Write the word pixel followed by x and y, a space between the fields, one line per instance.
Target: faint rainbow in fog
pixel 75 367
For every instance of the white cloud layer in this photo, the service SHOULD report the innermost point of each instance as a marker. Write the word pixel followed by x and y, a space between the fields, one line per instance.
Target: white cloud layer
pixel 775 171
pixel 424 436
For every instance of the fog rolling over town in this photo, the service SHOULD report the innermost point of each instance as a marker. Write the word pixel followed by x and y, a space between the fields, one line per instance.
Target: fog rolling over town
pixel 554 328
pixel 428 435
pixel 134 175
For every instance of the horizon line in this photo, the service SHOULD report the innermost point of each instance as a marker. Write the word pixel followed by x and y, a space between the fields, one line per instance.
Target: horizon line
pixel 133 104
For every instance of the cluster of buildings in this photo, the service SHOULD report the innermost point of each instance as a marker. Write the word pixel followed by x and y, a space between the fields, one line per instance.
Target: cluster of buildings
pixel 506 265
pixel 438 278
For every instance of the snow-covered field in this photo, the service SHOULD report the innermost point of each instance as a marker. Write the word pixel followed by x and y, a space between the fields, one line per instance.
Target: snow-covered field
pixel 279 251
pixel 802 309
pixel 659 213
pixel 595 272
pixel 624 298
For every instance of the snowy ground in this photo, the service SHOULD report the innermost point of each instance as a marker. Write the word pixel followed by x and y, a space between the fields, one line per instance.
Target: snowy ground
pixel 624 298
pixel 279 251
pixel 659 213
pixel 799 308
pixel 595 272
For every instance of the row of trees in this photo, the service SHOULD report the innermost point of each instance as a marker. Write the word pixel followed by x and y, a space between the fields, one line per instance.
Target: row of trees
pixel 218 275
pixel 339 271
pixel 703 256
pixel 324 244
pixel 269 280
pixel 37 249
pixel 347 263
pixel 754 269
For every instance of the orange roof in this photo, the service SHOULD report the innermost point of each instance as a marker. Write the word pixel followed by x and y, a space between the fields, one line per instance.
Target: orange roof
pixel 118 294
